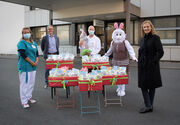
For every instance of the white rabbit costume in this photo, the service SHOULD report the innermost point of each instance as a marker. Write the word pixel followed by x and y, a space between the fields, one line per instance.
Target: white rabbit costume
pixel 120 47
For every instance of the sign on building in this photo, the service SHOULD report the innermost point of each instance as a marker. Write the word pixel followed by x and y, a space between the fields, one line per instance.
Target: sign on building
pixel 99 23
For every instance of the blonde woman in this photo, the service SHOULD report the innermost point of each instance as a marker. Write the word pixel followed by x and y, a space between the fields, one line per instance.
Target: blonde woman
pixel 27 62
pixel 150 53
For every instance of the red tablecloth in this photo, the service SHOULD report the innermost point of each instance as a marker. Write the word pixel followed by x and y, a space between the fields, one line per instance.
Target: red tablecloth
pixel 59 64
pixel 115 80
pixel 93 85
pixel 91 65
pixel 58 81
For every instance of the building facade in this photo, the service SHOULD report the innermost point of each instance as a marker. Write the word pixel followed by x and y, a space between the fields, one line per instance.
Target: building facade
pixel 11 24
pixel 69 18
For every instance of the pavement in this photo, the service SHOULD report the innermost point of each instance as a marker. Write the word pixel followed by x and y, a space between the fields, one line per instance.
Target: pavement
pixel 44 112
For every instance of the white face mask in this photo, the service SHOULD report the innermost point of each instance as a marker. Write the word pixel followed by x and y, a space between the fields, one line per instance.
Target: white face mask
pixel 91 32
pixel 27 36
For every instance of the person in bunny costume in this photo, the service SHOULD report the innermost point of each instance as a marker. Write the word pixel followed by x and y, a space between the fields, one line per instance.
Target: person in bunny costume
pixel 120 48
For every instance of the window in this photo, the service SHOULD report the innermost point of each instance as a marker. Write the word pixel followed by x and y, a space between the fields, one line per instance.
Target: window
pixel 164 22
pixel 168 29
pixel 63 34
pixel 136 32
pixel 167 36
pixel 38 33
pixel 109 30
pixel 178 37
pixel 99 31
pixel 32 8
pixel 131 33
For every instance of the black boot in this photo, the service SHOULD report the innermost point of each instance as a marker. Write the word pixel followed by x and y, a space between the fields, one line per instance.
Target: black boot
pixel 146 109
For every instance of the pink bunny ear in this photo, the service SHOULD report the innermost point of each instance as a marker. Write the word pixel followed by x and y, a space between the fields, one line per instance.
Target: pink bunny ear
pixel 121 26
pixel 115 25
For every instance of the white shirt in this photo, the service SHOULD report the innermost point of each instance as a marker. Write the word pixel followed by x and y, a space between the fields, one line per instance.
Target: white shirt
pixel 94 44
pixel 52 44
pixel 128 47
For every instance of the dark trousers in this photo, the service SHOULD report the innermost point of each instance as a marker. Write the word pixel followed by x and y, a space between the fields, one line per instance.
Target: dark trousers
pixel 148 95
pixel 46 76
pixel 47 70
pixel 89 70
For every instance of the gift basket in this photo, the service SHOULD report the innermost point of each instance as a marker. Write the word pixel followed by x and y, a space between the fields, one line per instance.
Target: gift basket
pixel 95 61
pixel 114 75
pixel 61 60
pixel 90 81
pixel 62 77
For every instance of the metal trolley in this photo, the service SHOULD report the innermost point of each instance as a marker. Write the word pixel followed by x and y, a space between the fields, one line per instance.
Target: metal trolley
pixel 113 80
pixel 94 108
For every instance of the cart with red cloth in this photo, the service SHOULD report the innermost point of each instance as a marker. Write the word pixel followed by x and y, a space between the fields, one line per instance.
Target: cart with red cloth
pixel 64 82
pixel 113 80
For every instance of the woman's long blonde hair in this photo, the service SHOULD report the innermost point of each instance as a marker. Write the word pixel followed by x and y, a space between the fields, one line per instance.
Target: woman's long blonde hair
pixel 152 26
pixel 27 28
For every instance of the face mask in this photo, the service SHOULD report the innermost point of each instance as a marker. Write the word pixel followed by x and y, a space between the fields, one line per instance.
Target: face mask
pixel 27 35
pixel 91 32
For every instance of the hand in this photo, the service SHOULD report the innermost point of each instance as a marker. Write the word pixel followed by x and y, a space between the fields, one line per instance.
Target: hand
pixel 37 59
pixel 33 63
pixel 88 53
pixel 81 42
pixel 135 59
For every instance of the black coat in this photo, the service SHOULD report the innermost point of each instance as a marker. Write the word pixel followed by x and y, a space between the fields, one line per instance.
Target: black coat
pixel 150 52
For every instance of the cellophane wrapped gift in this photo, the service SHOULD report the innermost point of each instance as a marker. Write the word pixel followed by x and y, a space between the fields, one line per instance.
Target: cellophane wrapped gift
pixel 61 60
pixel 62 77
pixel 114 75
pixel 95 61
pixel 90 81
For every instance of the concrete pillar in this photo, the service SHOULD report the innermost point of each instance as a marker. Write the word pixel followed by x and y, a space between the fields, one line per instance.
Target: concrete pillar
pixel 72 35
pixel 50 17
pixel 127 12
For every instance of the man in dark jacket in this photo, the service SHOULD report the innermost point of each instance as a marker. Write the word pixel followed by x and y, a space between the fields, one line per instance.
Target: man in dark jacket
pixel 49 46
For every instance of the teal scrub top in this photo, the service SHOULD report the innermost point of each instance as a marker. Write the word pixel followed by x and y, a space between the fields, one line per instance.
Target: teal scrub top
pixel 30 51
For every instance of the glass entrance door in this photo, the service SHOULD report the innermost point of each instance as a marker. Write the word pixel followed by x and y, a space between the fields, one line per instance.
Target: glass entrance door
pixel 99 31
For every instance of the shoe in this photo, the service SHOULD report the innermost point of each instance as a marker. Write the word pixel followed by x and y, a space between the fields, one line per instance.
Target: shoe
pixel 32 101
pixel 146 109
pixel 45 86
pixel 121 93
pixel 118 89
pixel 152 108
pixel 26 106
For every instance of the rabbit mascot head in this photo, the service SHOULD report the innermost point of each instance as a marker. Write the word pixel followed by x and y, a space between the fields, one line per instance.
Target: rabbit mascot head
pixel 118 34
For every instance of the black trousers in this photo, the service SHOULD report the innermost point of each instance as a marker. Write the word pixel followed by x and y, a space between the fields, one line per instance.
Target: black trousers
pixel 148 95
pixel 89 70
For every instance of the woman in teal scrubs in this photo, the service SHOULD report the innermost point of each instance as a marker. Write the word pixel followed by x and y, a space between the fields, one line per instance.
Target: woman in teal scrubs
pixel 27 62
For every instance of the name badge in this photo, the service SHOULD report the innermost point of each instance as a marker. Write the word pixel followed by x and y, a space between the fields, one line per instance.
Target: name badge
pixel 33 46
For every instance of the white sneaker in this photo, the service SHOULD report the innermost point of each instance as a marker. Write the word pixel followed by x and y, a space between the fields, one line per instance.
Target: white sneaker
pixel 118 93
pixel 118 89
pixel 32 100
pixel 26 106
pixel 121 93
pixel 45 86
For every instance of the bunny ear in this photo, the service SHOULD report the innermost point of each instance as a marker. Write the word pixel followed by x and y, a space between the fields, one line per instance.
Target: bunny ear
pixel 121 26
pixel 115 25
